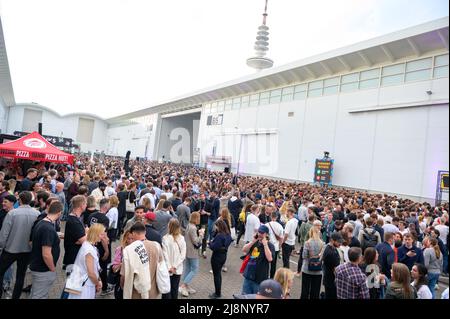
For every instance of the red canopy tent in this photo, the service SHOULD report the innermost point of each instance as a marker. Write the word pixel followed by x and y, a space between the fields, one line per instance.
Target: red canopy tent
pixel 36 148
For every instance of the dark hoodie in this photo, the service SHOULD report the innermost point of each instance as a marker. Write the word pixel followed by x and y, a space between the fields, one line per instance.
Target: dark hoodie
pixel 220 243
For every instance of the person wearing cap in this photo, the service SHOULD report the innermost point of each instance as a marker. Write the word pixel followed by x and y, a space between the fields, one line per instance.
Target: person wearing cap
pixel 150 232
pixel 268 289
pixel 99 193
pixel 261 252
pixel 331 259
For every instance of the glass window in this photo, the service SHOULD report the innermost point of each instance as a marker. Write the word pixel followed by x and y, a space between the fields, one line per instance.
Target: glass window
pixel 300 88
pixel 369 84
pixel 228 104
pixel 300 95
pixel 288 94
pixel 208 108
pixel 221 106
pixel 245 101
pixel 331 82
pixel 392 79
pixel 418 65
pixel 254 100
pixel 214 107
pixel 315 93
pixel 394 69
pixel 349 87
pixel 370 74
pixel 236 103
pixel 441 72
pixel 275 96
pixel 349 78
pixel 331 90
pixel 315 85
pixel 441 60
pixel 264 98
pixel 418 75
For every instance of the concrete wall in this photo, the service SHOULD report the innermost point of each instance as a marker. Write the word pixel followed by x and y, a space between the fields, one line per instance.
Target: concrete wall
pixel 136 138
pixel 3 115
pixel 397 150
pixel 66 126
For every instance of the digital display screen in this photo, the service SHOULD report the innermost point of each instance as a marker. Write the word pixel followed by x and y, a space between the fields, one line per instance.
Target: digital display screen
pixel 323 171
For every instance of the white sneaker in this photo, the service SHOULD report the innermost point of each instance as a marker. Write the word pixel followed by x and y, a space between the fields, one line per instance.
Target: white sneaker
pixel 184 292
pixel 191 291
pixel 224 269
pixel 211 271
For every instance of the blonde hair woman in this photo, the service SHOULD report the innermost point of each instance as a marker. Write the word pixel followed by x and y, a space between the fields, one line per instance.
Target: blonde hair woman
pixel 285 277
pixel 193 240
pixel 160 204
pixel 12 186
pixel 174 251
pixel 312 266
pixel 88 262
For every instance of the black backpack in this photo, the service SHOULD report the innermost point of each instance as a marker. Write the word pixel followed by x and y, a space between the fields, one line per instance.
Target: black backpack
pixel 369 239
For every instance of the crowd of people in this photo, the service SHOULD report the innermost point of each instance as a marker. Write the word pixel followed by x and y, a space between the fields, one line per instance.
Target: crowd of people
pixel 166 217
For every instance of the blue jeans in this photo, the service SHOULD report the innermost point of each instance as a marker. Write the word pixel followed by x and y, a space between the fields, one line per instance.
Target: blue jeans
pixel 210 228
pixel 445 259
pixel 7 279
pixel 191 266
pixel 432 281
pixel 249 287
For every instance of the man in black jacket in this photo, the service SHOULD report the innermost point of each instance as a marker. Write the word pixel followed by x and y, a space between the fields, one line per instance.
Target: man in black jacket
pixel 235 206
pixel 331 260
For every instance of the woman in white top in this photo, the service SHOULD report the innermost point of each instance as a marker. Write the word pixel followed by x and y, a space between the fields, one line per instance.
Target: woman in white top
pixel 87 262
pixel 174 251
pixel 113 216
pixel 419 274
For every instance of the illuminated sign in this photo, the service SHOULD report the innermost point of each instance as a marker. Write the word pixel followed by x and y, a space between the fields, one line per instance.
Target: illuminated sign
pixel 323 171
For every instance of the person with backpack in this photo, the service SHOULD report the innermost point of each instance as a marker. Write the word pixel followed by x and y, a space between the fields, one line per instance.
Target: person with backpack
pixel 369 237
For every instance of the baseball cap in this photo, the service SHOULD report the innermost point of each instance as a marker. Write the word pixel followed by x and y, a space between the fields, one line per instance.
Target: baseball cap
pixel 150 216
pixel 336 236
pixel 11 198
pixel 270 289
pixel 263 229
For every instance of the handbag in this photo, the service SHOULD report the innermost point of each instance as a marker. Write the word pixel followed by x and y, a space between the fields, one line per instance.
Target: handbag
pixel 244 263
pixel 162 275
pixel 129 206
pixel 314 263
pixel 76 281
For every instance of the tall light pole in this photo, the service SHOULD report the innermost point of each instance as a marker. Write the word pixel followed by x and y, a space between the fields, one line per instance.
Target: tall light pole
pixel 260 62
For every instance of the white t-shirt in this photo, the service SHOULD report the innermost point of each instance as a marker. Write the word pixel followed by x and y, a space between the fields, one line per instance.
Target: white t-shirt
pixel 424 292
pixel 345 250
pixel 150 197
pixel 113 216
pixel 251 227
pixel 168 195
pixel 443 232
pixel 445 294
pixel 290 228
pixel 278 229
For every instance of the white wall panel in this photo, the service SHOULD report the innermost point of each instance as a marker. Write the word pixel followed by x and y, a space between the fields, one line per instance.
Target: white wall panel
pixel 398 152
pixel 406 93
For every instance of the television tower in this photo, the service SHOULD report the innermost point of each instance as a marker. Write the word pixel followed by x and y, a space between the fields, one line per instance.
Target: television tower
pixel 259 61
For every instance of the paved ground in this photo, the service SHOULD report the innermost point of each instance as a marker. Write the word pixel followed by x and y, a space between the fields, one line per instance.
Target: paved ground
pixel 203 282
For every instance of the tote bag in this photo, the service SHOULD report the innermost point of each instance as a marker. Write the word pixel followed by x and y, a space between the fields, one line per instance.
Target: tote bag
pixel 162 275
pixel 129 206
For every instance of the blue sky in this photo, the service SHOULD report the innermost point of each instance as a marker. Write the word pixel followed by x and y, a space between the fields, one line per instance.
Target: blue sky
pixel 110 57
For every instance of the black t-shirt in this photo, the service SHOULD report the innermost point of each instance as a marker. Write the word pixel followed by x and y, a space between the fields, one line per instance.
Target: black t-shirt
pixel 122 196
pixel 258 266
pixel 152 234
pixel 98 218
pixel 44 235
pixel 57 224
pixel 74 231
pixel 86 214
